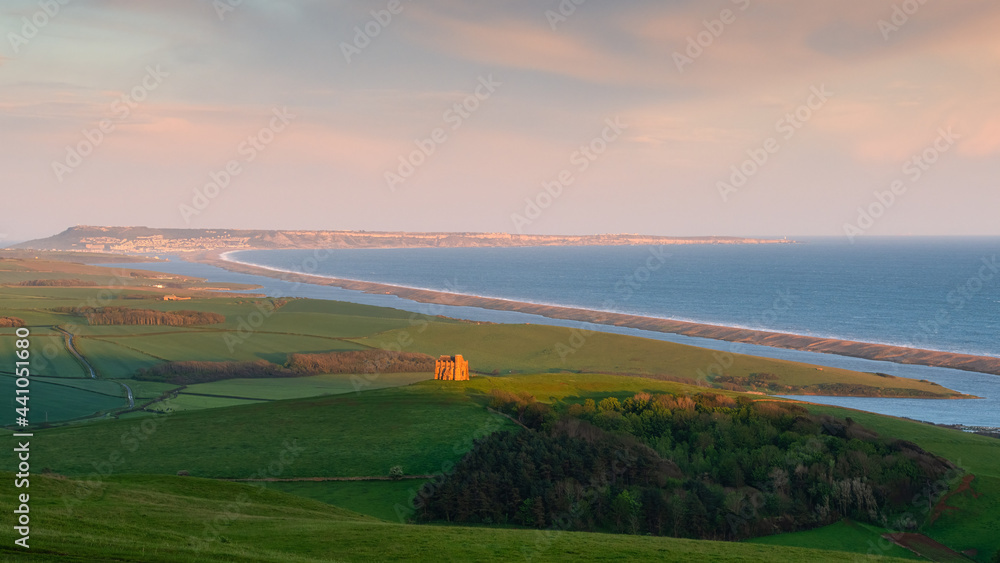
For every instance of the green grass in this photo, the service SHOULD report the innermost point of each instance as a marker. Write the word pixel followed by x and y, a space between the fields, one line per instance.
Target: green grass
pixel 93 385
pixel 84 330
pixel 170 519
pixel 49 356
pixel 847 536
pixel 301 387
pixel 148 389
pixel 976 523
pixel 538 349
pixel 329 325
pixel 349 309
pixel 386 500
pixel 185 402
pixel 421 427
pixel 112 360
pixel 60 402
pixel 576 387
pixel 214 346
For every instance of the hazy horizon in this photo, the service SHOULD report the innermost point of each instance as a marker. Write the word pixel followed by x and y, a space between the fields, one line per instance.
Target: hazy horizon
pixel 734 118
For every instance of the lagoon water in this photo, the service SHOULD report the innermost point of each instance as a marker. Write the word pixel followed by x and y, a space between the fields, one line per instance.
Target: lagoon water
pixel 933 293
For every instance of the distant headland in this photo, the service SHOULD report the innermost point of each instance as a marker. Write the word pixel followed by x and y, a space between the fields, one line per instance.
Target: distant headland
pixel 142 240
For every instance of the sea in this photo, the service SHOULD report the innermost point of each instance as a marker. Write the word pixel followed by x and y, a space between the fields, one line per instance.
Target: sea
pixel 933 293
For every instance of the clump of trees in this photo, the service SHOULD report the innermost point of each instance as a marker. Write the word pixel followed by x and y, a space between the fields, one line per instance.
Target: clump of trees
pixel 11 322
pixel 298 365
pixel 147 317
pixel 58 283
pixel 360 361
pixel 705 466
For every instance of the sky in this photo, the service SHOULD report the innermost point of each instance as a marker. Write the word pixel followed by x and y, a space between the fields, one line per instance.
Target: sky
pixel 728 117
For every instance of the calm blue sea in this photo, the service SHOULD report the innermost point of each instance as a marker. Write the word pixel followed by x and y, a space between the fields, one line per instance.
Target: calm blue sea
pixel 940 294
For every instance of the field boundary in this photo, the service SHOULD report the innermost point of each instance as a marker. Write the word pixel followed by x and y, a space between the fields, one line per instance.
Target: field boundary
pixel 321 479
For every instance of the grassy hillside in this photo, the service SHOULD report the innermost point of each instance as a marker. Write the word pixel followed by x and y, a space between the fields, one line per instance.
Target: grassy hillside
pixel 974 521
pixel 168 519
pixel 536 349
pixel 351 426
pixel 847 536
pixel 419 427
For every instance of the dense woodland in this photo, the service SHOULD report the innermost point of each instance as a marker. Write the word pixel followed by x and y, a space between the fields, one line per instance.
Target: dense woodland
pixel 11 322
pixel 706 466
pixel 149 317
pixel 298 365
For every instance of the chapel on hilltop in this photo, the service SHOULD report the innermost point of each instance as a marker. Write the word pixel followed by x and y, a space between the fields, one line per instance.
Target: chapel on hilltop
pixel 451 368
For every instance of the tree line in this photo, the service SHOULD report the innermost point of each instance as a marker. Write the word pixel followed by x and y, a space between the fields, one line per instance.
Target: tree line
pixel 705 466
pixel 148 317
pixel 11 322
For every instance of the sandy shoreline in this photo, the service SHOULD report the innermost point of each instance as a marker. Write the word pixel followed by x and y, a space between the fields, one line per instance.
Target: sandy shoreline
pixel 884 352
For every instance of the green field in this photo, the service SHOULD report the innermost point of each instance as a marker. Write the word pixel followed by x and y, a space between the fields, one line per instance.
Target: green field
pixel 537 349
pixel 100 386
pixel 185 402
pixel 851 537
pixel 420 427
pixel 301 387
pixel 49 356
pixel 169 519
pixel 148 389
pixel 214 346
pixel 57 403
pixel 386 500
pixel 111 359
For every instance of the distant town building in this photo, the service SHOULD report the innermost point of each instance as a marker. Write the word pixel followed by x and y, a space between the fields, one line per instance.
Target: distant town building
pixel 451 368
pixel 175 298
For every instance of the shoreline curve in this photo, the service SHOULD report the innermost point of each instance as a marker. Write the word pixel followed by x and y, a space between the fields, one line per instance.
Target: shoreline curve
pixel 849 348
